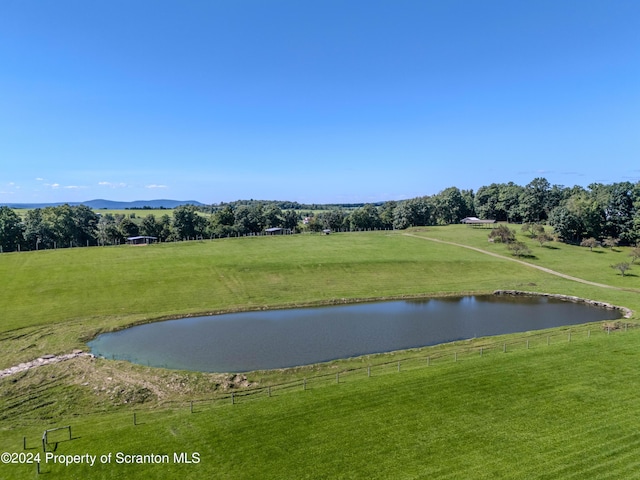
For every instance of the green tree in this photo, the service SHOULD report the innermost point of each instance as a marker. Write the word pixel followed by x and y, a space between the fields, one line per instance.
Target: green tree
pixel 11 230
pixel 107 231
pixel 543 238
pixel 315 224
pixel 450 206
pixel 499 201
pixel 86 223
pixel 221 223
pixel 128 228
pixel 590 242
pixel 579 217
pixel 187 222
pixel 534 201
pixel 249 219
pixel 332 219
pixel 611 242
pixel 37 233
pixel 62 224
pixel 502 234
pixel 622 267
pixel 619 212
pixel 519 249
pixel 272 216
pixel 528 228
pixel 486 203
pixel 290 220
pixel 149 227
pixel 413 213
pixel 364 218
pixel 166 231
pixel 386 214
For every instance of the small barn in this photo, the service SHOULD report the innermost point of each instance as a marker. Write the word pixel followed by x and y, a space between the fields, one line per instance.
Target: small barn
pixel 477 222
pixel 277 231
pixel 141 240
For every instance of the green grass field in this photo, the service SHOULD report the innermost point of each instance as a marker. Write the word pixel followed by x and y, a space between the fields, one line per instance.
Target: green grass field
pixel 563 410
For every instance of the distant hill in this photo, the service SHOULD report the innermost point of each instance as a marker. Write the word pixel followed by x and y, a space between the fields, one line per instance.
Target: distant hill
pixel 111 205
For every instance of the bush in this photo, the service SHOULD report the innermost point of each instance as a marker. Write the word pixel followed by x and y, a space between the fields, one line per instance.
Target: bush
pixel 502 234
pixel 519 249
pixel 590 242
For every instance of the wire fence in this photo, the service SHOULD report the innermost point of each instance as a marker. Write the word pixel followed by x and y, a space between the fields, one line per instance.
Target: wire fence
pixel 429 357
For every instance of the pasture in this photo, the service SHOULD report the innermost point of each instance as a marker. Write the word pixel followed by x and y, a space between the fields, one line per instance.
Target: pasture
pixel 557 411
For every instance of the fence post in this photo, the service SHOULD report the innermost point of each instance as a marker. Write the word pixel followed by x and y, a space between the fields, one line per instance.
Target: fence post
pixel 589 333
pixel 398 366
pixel 569 336
pixel 527 344
pixel 455 356
pixel 191 406
pixel 304 383
pixel 504 347
pixel 134 418
pixel 24 443
pixel 233 398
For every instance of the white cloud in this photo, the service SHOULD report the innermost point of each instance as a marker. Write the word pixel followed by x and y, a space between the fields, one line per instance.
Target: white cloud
pixel 74 186
pixel 39 179
pixel 157 186
pixel 113 185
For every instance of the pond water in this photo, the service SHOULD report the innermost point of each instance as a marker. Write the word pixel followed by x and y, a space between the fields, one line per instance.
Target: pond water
pixel 241 342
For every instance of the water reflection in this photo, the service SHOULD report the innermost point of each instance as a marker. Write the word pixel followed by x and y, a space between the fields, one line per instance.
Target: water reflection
pixel 284 338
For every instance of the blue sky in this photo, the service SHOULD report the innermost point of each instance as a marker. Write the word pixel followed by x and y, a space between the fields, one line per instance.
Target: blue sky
pixel 315 101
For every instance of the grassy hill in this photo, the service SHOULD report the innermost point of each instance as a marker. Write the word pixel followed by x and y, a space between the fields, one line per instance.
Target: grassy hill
pixel 557 411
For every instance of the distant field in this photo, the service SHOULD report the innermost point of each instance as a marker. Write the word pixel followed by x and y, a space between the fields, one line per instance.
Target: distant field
pixel 563 411
pixel 137 213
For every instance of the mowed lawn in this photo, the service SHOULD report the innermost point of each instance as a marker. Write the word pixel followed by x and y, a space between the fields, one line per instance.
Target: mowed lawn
pixel 558 411
pixel 550 412
pixel 133 282
pixel 569 259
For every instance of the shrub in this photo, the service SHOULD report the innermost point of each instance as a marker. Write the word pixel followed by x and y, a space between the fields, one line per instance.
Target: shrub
pixel 502 234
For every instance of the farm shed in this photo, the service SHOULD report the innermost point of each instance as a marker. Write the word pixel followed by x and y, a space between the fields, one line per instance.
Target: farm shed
pixel 277 231
pixel 140 240
pixel 475 221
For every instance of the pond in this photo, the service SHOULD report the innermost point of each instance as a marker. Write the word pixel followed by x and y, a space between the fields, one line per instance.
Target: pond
pixel 241 342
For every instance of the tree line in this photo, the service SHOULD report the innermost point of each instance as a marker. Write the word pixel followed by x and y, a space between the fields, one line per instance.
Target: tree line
pixel 598 212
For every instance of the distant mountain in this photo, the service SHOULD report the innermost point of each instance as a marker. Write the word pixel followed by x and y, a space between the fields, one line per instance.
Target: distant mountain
pixel 111 205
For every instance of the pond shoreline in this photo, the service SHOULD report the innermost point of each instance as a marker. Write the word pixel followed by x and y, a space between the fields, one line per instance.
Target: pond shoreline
pixel 52 359
pixel 284 338
pixel 43 360
pixel 626 312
